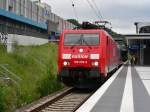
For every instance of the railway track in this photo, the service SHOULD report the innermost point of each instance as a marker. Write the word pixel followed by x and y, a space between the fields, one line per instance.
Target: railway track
pixel 68 100
pixel 68 103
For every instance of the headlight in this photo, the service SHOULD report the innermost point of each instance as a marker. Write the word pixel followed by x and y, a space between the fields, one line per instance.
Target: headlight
pixel 66 63
pixel 95 63
pixel 66 56
pixel 94 56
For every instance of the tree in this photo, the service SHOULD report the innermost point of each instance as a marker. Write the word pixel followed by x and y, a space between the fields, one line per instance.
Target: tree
pixel 75 22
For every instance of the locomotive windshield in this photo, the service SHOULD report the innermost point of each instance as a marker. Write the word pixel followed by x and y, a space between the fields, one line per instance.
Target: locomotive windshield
pixel 81 39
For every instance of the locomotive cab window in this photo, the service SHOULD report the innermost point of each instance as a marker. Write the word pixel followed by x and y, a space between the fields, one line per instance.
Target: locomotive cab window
pixel 81 39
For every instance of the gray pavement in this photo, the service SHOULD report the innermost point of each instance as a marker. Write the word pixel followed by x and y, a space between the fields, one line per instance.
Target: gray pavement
pixel 112 99
pixel 141 97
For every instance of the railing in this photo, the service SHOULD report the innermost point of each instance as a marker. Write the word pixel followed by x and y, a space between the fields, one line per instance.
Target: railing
pixel 8 76
pixel 24 31
pixel 3 38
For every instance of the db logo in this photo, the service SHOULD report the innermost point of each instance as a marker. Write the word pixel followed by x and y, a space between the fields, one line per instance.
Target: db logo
pixel 80 56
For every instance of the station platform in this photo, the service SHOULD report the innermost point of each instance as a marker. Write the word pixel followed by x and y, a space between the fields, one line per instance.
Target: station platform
pixel 128 90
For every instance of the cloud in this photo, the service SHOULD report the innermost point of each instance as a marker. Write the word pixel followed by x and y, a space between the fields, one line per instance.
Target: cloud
pixel 121 13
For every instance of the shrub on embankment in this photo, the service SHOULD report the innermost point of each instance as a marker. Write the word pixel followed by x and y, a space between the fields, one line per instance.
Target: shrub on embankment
pixel 26 75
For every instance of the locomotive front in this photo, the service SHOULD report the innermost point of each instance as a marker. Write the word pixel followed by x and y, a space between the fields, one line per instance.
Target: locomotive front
pixel 79 58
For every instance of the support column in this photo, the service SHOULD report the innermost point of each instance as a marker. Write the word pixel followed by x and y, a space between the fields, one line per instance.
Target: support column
pixel 25 8
pixel 141 53
pixel 7 4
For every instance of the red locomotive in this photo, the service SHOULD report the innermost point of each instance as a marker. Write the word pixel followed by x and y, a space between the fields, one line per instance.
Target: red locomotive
pixel 86 57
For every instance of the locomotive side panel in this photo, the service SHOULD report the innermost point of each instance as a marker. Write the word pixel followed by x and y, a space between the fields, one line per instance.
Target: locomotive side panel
pixel 112 54
pixel 103 59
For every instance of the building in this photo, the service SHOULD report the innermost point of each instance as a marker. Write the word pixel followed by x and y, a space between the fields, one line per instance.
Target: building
pixel 142 27
pixel 31 18
pixel 139 44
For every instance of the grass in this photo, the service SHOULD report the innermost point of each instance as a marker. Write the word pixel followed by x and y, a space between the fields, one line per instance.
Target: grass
pixel 32 74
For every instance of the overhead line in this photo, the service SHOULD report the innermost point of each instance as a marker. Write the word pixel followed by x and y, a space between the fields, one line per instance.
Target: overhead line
pixel 94 10
pixel 99 12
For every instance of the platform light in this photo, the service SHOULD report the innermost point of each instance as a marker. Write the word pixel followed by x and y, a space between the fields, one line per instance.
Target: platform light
pixel 66 56
pixel 94 56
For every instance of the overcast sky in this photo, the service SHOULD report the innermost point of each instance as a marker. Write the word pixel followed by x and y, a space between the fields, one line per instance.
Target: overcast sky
pixel 121 13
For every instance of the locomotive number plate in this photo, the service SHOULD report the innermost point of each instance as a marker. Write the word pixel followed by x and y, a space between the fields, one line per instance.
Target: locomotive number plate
pixel 80 62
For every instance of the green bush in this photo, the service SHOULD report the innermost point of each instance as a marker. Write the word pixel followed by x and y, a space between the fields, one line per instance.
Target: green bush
pixel 49 84
pixel 7 99
pixel 36 69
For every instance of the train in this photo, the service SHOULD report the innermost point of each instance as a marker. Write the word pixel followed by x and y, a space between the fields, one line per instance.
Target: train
pixel 86 57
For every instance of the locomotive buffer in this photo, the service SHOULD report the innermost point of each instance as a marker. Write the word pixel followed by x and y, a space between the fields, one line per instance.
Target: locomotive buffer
pixel 128 90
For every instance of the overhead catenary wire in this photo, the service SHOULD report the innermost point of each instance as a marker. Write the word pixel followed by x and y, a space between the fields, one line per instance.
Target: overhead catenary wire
pixel 94 10
pixel 99 12
pixel 92 4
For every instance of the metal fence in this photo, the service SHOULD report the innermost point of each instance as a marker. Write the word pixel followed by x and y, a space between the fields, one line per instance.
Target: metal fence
pixel 5 29
pixel 3 38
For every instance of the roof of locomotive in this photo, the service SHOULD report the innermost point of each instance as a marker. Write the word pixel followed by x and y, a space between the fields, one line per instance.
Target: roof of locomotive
pixel 84 31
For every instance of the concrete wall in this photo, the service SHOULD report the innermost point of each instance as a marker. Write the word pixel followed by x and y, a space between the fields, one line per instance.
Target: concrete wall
pixel 26 40
pixel 23 40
